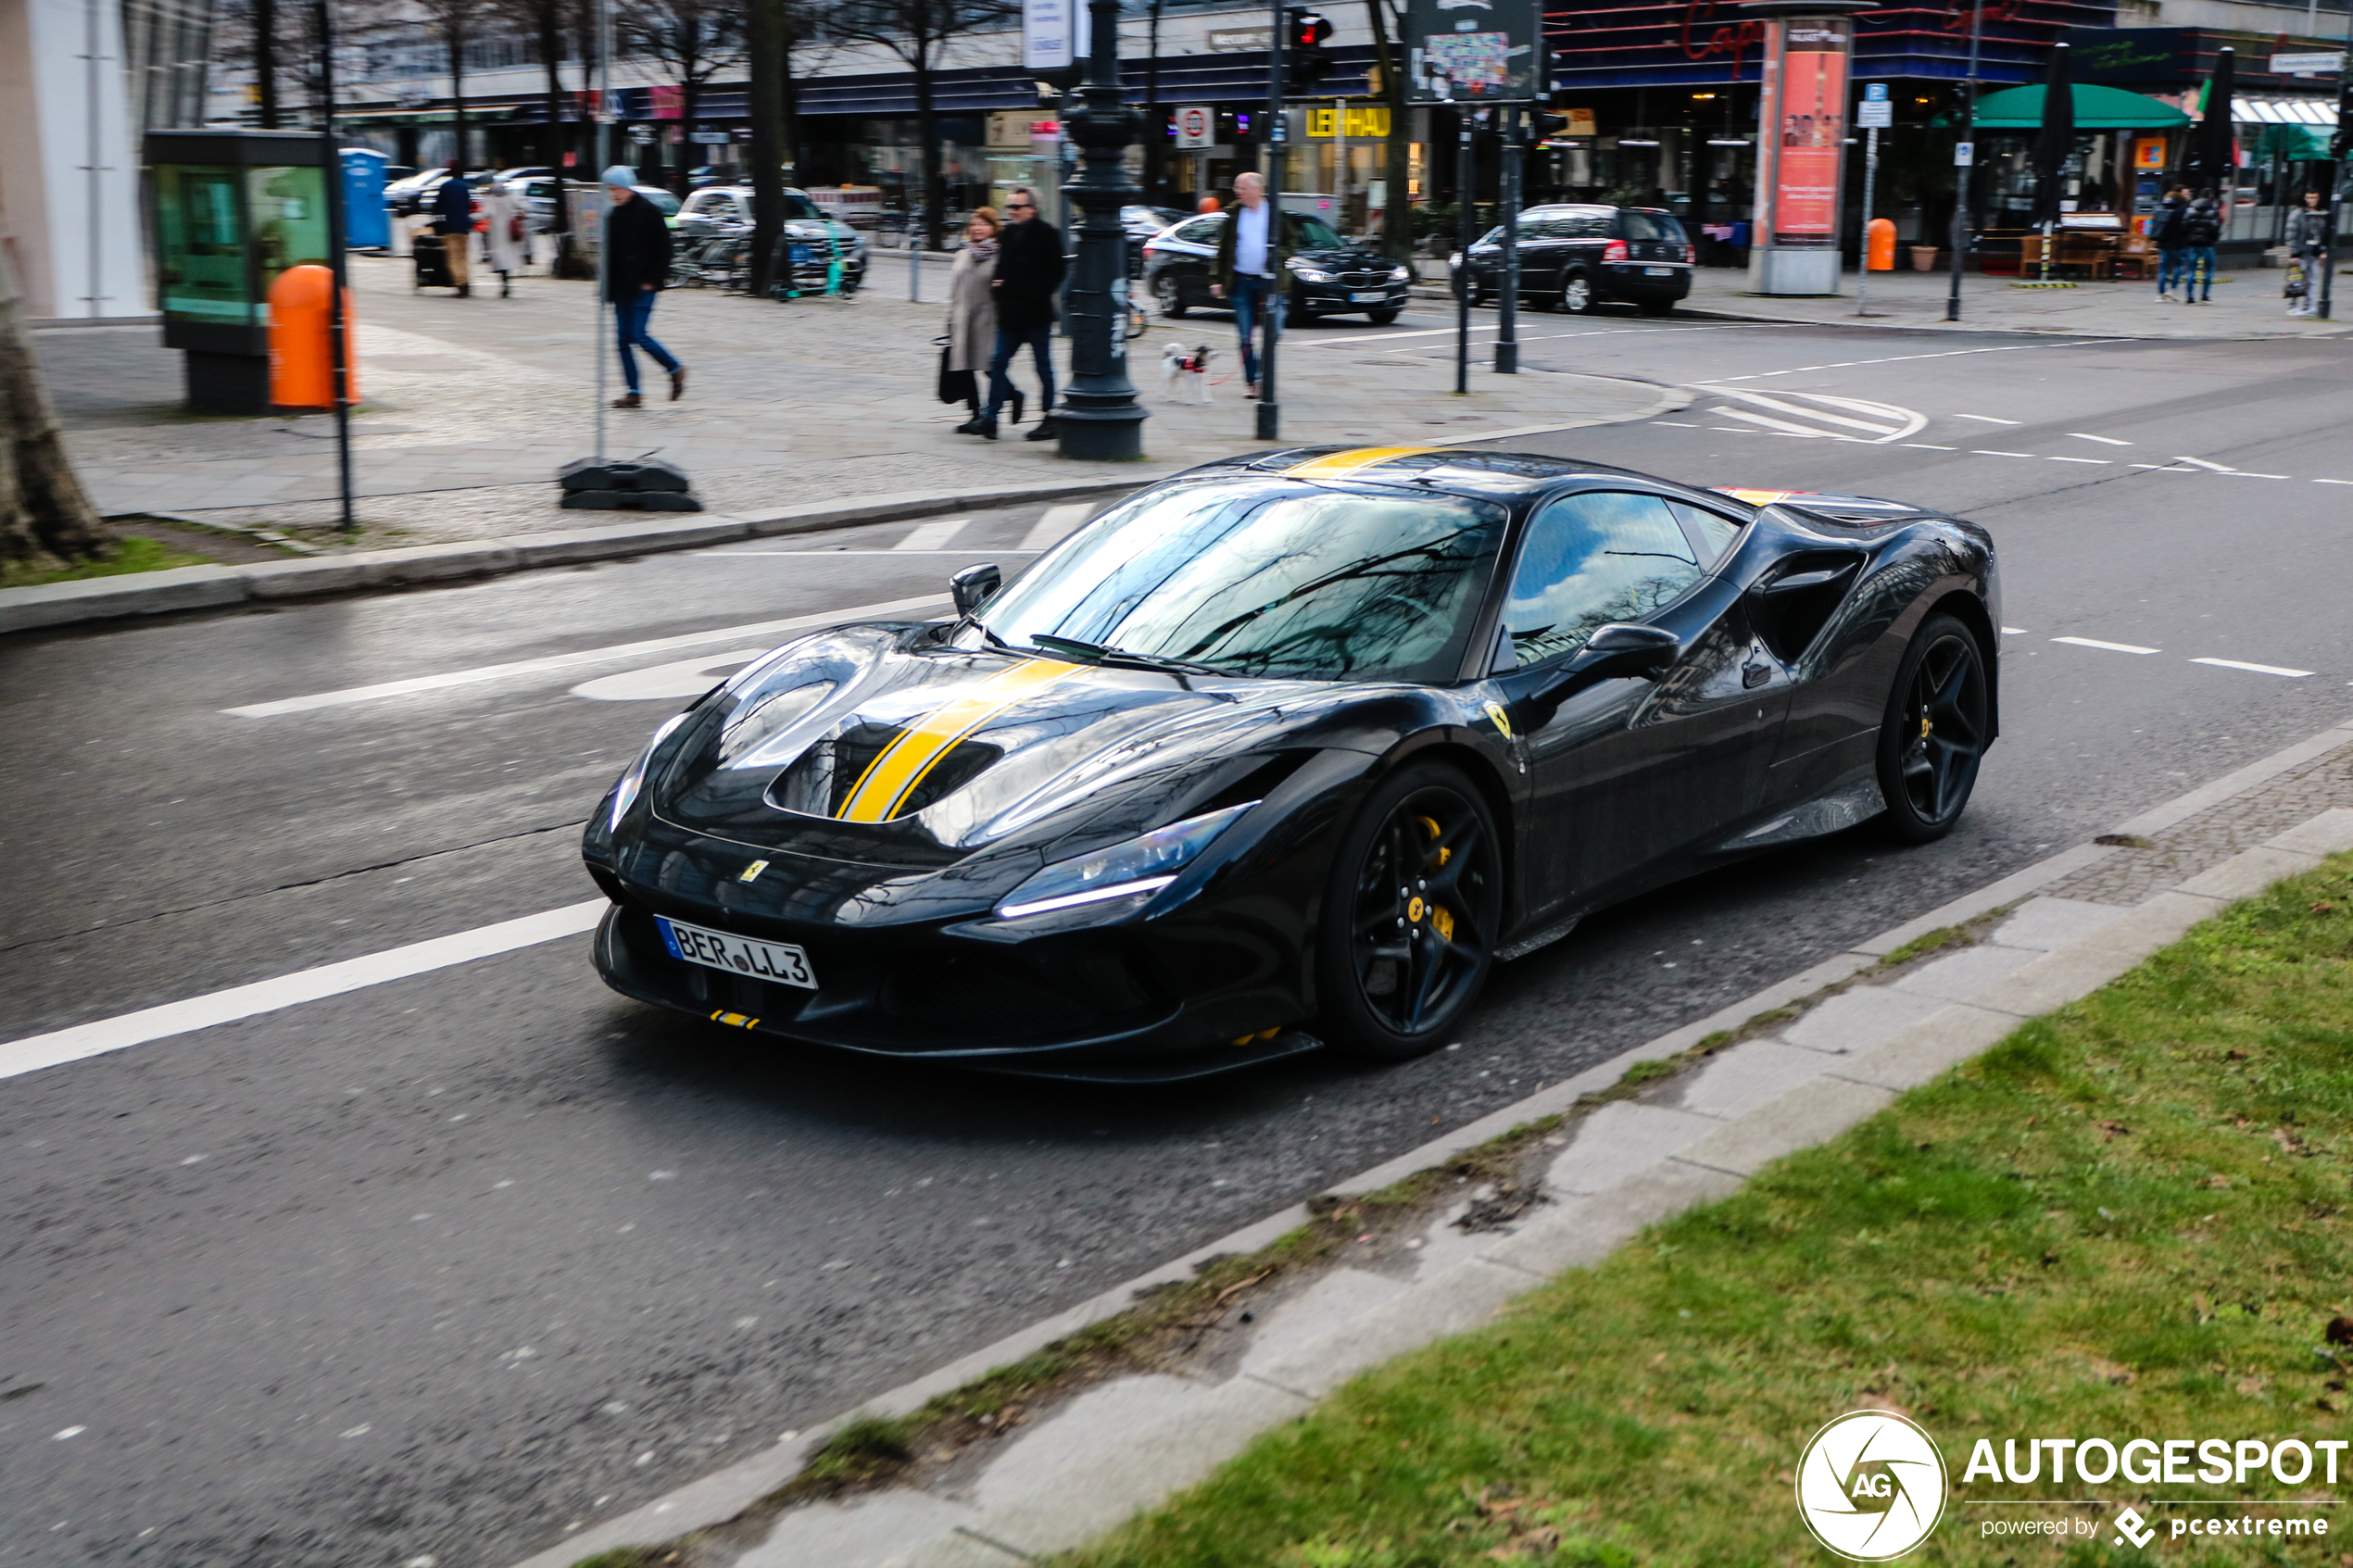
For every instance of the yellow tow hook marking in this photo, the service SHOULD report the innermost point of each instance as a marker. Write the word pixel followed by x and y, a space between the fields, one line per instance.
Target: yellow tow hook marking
pixel 735 1019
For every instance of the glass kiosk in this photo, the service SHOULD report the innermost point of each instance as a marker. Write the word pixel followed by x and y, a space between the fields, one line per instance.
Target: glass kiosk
pixel 232 209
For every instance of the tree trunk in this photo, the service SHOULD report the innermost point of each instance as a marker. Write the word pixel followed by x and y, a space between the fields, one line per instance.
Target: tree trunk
pixel 551 144
pixel 1397 217
pixel 766 28
pixel 935 182
pixel 457 93
pixel 265 59
pixel 46 521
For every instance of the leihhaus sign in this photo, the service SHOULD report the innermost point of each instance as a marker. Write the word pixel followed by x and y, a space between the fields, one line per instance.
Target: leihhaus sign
pixel 1240 40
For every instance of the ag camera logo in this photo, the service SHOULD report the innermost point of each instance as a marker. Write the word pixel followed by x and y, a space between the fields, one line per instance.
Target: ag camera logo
pixel 1871 1486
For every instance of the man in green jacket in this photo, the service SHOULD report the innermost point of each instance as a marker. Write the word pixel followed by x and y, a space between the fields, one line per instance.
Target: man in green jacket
pixel 1252 267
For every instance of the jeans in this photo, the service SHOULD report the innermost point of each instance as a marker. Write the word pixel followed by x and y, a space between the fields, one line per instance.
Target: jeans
pixel 2197 262
pixel 2169 267
pixel 629 323
pixel 1250 296
pixel 1040 339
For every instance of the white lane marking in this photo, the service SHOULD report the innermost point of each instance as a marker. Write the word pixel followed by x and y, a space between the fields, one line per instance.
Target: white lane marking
pixel 2258 669
pixel 2013 631
pixel 2211 467
pixel 567 661
pixel 85 1040
pixel 1049 529
pixel 1779 427
pixel 965 554
pixel 1987 419
pixel 2103 462
pixel 2103 440
pixel 1884 422
pixel 2242 473
pixel 932 535
pixel 683 678
pixel 1982 452
pixel 1929 447
pixel 1947 353
pixel 2333 482
pixel 2112 647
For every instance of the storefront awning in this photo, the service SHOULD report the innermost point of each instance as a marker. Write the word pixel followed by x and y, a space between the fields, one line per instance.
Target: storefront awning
pixel 2096 108
pixel 2293 142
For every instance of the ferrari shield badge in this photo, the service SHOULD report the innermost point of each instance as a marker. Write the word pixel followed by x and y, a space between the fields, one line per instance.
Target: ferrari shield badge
pixel 1502 720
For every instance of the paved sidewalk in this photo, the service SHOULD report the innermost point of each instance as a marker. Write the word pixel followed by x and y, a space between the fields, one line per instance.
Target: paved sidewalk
pixel 471 405
pixel 1817 1053
pixel 2246 304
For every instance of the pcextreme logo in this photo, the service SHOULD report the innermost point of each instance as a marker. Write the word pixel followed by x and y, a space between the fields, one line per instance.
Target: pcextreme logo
pixel 1871 1486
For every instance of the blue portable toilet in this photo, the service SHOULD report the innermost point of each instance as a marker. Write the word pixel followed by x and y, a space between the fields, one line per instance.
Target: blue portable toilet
pixel 365 226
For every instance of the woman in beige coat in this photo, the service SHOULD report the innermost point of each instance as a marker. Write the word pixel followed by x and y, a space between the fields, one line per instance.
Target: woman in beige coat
pixel 972 312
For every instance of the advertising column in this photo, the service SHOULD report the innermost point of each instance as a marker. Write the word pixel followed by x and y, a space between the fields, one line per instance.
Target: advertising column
pixel 1800 143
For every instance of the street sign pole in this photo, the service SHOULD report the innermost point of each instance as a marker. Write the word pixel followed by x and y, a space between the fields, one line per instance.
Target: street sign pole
pixel 1274 145
pixel 1466 171
pixel 1507 306
pixel 338 321
pixel 1878 110
pixel 1965 162
pixel 2339 144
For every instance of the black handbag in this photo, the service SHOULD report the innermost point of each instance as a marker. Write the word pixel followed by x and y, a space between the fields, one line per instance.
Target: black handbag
pixel 955 387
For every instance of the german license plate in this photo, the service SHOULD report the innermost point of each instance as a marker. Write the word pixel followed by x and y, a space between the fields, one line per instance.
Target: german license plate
pixel 803 255
pixel 1659 271
pixel 779 962
pixel 1374 297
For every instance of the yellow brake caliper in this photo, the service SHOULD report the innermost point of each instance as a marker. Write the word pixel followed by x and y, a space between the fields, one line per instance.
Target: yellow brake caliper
pixel 1441 919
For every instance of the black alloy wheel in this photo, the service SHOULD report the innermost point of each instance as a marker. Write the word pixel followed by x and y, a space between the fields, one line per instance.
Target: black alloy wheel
pixel 1408 933
pixel 1381 318
pixel 1169 297
pixel 1935 733
pixel 1577 294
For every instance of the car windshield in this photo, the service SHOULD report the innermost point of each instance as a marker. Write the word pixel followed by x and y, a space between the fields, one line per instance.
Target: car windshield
pixel 1267 577
pixel 1313 234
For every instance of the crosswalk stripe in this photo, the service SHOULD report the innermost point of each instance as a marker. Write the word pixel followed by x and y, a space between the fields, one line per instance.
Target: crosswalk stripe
pixel 1048 530
pixel 932 535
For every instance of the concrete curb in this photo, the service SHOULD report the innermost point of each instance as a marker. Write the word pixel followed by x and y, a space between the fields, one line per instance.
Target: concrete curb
pixel 211 587
pixel 1836 1089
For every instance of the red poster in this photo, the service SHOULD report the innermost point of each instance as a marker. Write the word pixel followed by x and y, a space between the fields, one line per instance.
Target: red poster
pixel 1813 135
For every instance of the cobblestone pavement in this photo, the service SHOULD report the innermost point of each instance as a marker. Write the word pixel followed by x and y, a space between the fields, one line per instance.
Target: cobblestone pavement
pixel 2207 839
pixel 2247 304
pixel 470 406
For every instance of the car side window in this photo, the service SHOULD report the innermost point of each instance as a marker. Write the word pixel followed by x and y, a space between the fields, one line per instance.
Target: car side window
pixel 1713 530
pixel 1199 231
pixel 1588 560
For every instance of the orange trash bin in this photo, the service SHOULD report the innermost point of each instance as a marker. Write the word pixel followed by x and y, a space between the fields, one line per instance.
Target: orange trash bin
pixel 302 371
pixel 1881 241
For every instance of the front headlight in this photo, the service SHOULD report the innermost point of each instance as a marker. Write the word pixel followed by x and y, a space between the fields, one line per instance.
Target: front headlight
pixel 1399 274
pixel 624 794
pixel 1307 272
pixel 1139 867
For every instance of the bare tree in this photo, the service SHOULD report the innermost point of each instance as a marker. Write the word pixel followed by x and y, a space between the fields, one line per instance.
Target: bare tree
pixel 1155 123
pixel 245 32
pixel 919 32
pixel 456 22
pixel 694 40
pixel 1397 218
pixel 46 521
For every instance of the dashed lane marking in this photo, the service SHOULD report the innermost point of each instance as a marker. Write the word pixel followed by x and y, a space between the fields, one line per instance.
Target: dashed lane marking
pixel 2257 669
pixel 1988 419
pixel 85 1040
pixel 1947 353
pixel 586 656
pixel 1982 452
pixel 2209 466
pixel 2111 647
pixel 2103 440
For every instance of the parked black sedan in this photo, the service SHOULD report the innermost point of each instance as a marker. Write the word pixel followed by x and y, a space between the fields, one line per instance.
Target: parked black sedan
pixel 1290 749
pixel 1329 275
pixel 1579 257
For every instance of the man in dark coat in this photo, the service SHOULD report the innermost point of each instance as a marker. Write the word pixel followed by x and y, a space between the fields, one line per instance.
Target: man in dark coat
pixel 2165 228
pixel 636 245
pixel 2201 232
pixel 1028 280
pixel 453 208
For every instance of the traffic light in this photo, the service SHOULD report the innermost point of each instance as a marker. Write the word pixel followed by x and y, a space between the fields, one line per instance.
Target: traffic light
pixel 1545 124
pixel 1304 38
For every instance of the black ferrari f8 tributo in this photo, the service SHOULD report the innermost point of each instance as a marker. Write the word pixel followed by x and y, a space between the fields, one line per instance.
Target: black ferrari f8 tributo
pixel 1290 750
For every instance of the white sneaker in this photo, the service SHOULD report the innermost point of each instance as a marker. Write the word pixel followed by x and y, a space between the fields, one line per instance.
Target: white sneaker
pixel 2165 296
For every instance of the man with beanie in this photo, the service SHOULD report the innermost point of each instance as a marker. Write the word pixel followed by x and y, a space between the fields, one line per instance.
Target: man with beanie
pixel 453 209
pixel 636 248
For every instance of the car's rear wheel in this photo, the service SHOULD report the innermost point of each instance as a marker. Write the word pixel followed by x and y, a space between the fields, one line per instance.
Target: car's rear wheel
pixel 1168 297
pixel 1577 294
pixel 1939 718
pixel 1410 915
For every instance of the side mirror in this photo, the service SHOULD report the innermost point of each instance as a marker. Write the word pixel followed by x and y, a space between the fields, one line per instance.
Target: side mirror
pixel 1613 652
pixel 975 586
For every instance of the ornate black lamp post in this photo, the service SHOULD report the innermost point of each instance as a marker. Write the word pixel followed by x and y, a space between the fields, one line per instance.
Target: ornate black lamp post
pixel 1099 419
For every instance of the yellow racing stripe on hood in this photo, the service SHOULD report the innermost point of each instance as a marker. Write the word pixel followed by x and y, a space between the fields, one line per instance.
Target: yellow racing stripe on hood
pixel 1338 465
pixel 893 775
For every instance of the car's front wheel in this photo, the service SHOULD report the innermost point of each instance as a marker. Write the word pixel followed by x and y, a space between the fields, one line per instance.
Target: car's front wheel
pixel 1381 318
pixel 1168 297
pixel 1939 719
pixel 1577 294
pixel 1410 915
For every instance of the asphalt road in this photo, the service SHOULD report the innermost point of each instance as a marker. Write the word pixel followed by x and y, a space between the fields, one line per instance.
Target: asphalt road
pixel 440 1266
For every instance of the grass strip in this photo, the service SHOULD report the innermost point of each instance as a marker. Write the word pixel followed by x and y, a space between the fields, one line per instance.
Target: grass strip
pixel 134 554
pixel 2126 1220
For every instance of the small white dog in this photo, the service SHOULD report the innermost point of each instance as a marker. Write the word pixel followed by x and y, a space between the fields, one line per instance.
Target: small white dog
pixel 1187 369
